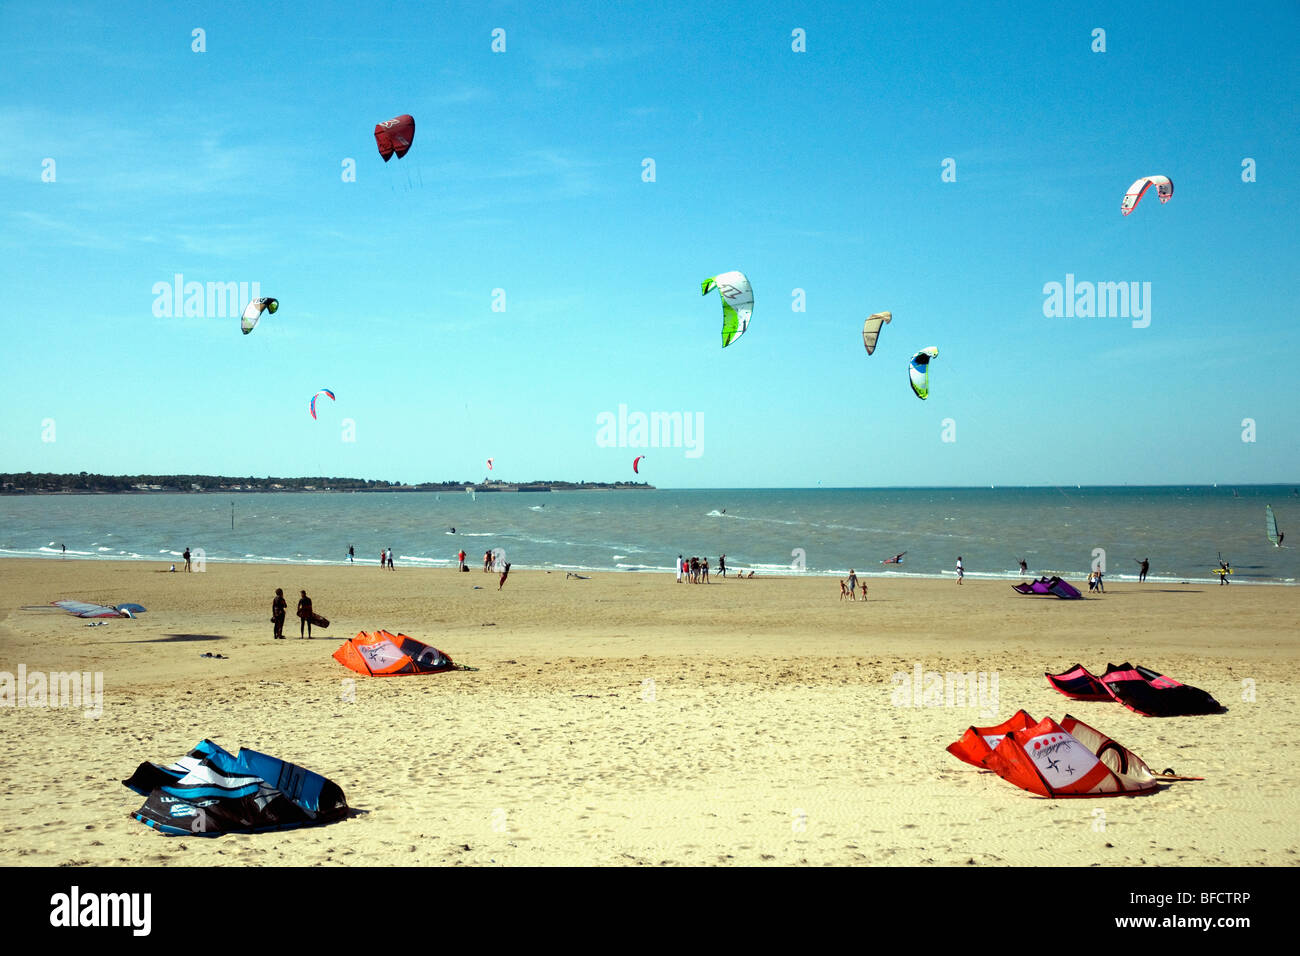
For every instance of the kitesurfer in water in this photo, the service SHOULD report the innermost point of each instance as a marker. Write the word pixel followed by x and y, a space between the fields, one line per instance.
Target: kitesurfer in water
pixel 304 616
pixel 279 607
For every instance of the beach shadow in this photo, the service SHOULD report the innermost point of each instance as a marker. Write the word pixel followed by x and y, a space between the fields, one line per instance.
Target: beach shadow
pixel 179 638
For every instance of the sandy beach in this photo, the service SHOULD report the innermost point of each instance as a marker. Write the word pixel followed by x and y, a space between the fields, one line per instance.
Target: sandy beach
pixel 626 719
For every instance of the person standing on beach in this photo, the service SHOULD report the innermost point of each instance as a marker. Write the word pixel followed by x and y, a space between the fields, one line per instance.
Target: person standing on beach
pixel 853 585
pixel 352 555
pixel 1224 570
pixel 704 569
pixel 679 569
pixel 390 560
pixel 1024 568
pixel 279 607
pixel 461 558
pixel 186 556
pixel 504 574
pixel 487 561
pixel 1142 571
pixel 722 565
pixel 961 572
pixel 304 615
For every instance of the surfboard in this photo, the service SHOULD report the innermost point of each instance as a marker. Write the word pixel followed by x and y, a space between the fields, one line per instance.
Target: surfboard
pixel 318 621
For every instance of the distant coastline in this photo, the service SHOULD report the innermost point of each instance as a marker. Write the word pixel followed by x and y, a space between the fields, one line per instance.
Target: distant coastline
pixel 83 484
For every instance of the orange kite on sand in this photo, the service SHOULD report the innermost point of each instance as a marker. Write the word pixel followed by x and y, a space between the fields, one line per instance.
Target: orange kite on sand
pixel 382 654
pixel 1069 759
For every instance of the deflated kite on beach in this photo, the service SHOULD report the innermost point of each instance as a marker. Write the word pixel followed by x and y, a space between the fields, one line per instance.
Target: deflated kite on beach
pixel 382 654
pixel 209 792
pixel 1069 759
pixel 1140 689
pixel 1045 587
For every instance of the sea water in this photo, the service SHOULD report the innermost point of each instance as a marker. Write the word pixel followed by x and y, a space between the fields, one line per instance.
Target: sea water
pixel 1183 531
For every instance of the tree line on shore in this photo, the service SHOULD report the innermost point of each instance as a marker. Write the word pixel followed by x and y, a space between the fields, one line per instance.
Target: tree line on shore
pixel 49 483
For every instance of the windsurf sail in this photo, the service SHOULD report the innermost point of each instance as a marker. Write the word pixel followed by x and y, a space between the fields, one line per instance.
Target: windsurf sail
pixel 871 329
pixel 737 303
pixel 1270 527
pixel 85 609
pixel 919 371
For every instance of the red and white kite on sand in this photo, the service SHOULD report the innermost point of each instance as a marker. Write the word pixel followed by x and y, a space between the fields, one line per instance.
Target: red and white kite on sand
pixel 1069 759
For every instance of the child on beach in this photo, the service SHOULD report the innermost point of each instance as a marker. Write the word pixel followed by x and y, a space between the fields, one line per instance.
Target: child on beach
pixel 864 590
pixel 844 590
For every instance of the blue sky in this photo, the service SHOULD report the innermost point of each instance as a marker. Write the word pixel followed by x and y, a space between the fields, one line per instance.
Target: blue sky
pixel 817 170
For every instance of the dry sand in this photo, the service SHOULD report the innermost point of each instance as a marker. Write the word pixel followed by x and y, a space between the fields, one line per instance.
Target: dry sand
pixel 627 719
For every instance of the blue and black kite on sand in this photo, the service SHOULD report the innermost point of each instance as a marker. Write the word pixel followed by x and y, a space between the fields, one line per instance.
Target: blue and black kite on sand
pixel 209 792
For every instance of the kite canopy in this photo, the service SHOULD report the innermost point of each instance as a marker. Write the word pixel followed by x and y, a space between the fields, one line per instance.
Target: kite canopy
pixel 1140 689
pixel 489 464
pixel 323 391
pixel 254 311
pixel 395 136
pixel 382 654
pixel 210 792
pixel 1048 586
pixel 737 303
pixel 871 329
pixel 636 463
pixel 919 371
pixel 1069 759
pixel 1164 188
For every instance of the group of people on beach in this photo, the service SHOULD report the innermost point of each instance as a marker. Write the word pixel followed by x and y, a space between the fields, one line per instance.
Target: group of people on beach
pixel 696 570
pixel 849 589
pixel 305 614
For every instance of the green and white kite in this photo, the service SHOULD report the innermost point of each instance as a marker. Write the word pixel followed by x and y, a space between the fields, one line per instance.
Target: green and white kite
pixel 737 303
